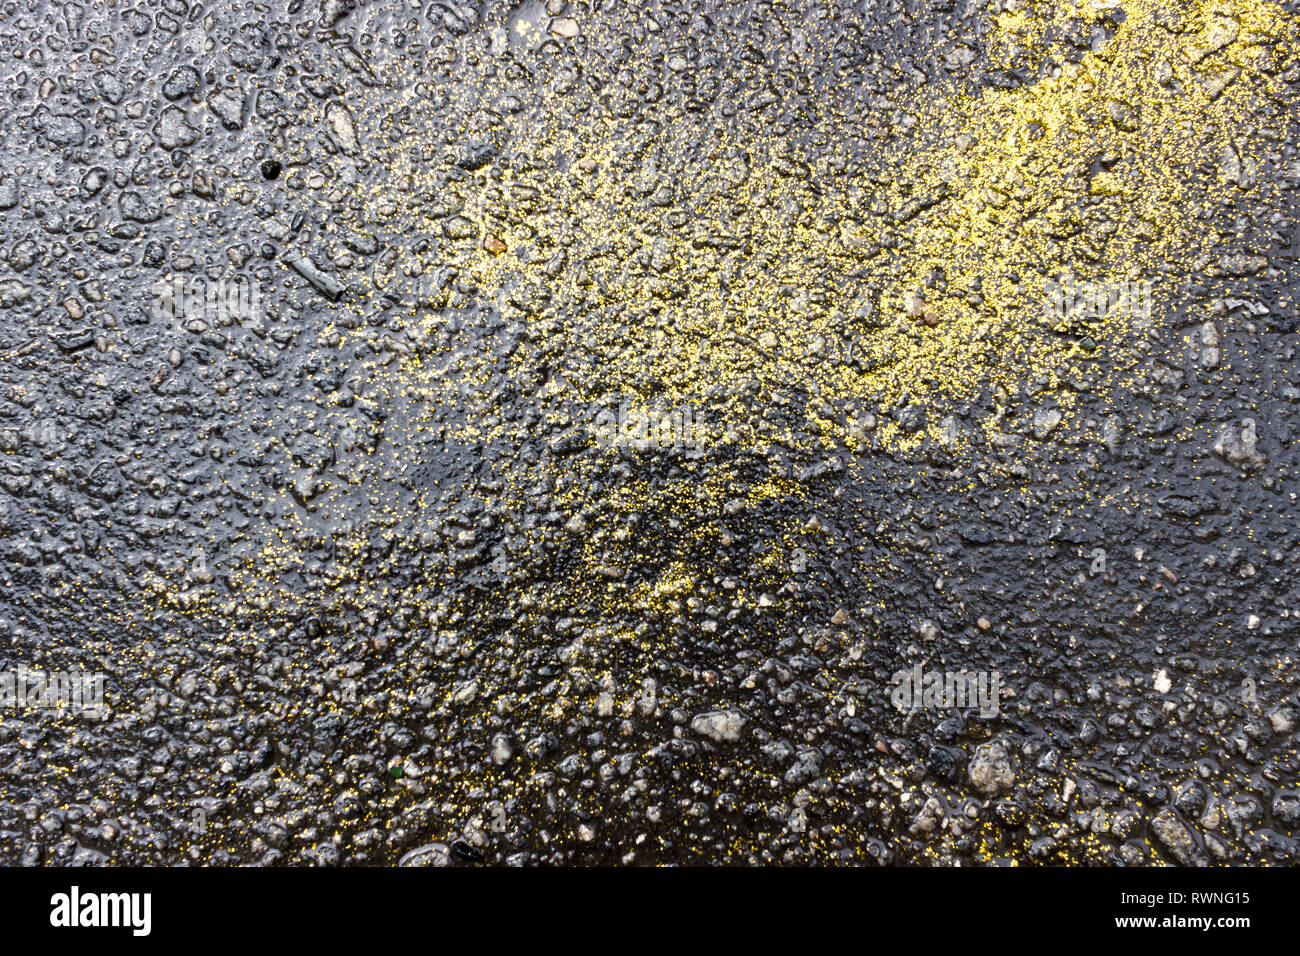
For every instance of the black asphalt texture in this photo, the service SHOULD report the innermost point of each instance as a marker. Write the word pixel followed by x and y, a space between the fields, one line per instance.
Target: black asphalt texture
pixel 518 433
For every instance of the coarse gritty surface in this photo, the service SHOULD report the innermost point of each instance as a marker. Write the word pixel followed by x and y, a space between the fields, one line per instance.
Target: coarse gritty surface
pixel 371 580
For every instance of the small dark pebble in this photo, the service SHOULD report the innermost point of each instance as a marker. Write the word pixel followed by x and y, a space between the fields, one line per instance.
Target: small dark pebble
pixel 466 853
pixel 73 341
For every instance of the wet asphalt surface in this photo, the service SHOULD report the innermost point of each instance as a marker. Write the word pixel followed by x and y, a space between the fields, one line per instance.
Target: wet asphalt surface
pixel 367 581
